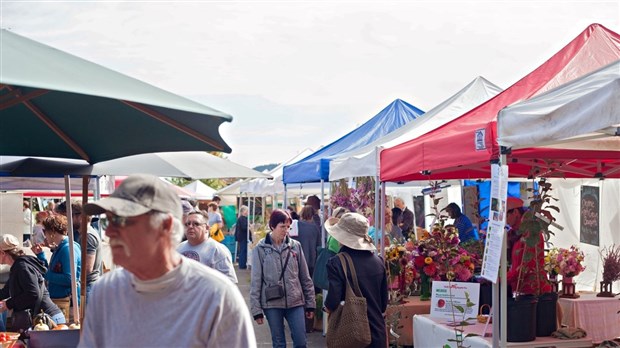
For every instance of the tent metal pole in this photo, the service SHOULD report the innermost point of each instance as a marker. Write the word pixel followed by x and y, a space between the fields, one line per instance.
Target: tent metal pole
pixel 324 245
pixel 329 206
pixel 321 212
pixel 84 243
pixel 74 295
pixel 285 202
pixel 500 293
pixel 382 252
pixel 377 208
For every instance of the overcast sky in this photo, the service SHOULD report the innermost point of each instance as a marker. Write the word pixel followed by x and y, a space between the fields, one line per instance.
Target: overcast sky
pixel 301 74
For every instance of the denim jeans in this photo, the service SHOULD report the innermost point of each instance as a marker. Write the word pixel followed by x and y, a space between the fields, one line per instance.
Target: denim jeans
pixel 88 288
pixel 296 322
pixel 59 318
pixel 243 255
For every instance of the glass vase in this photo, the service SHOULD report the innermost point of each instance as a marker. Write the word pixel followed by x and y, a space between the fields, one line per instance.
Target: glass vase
pixel 425 287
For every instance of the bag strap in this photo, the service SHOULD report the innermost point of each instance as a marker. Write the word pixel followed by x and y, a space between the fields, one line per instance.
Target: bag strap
pixel 356 286
pixel 344 260
pixel 288 255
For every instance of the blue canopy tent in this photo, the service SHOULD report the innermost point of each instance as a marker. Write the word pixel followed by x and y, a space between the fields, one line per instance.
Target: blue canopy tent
pixel 315 167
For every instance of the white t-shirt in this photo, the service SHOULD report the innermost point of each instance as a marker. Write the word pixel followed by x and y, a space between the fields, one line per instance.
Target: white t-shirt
pixel 191 306
pixel 211 253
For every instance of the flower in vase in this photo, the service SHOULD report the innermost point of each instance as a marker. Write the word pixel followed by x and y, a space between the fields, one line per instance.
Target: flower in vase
pixel 611 263
pixel 570 261
pixel 551 262
pixel 440 256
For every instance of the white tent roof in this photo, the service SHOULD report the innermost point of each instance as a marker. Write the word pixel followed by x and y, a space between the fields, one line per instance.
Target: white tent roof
pixel 364 161
pixel 200 190
pixel 276 186
pixel 581 114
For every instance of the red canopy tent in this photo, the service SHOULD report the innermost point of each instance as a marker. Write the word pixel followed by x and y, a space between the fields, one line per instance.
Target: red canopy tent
pixel 465 147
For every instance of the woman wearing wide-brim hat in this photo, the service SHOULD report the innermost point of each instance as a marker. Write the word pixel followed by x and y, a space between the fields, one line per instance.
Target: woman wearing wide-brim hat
pixel 351 231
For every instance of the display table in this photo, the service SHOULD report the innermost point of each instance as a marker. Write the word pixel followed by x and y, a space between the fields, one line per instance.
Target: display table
pixel 411 307
pixel 597 315
pixel 430 332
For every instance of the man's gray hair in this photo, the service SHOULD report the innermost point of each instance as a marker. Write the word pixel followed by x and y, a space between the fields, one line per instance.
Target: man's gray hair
pixel 157 218
pixel 243 209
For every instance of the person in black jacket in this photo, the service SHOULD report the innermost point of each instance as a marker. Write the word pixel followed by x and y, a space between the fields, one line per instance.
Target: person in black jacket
pixel 25 279
pixel 351 231
pixel 241 236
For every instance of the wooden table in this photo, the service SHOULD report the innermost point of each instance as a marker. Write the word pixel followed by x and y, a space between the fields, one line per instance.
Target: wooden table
pixel 597 315
pixel 411 307
pixel 431 333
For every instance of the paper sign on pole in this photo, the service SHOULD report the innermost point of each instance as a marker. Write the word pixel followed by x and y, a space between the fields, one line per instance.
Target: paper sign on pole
pixel 497 222
pixel 446 295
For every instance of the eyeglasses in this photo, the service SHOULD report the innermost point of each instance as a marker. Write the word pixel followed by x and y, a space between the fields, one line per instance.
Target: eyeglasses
pixel 194 223
pixel 115 221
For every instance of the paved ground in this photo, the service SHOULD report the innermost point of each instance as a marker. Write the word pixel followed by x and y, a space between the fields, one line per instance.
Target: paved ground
pixel 263 336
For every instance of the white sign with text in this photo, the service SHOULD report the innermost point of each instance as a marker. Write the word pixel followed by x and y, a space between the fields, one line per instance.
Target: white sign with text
pixel 446 295
pixel 497 221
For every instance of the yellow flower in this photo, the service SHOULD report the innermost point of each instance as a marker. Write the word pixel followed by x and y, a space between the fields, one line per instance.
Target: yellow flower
pixel 428 260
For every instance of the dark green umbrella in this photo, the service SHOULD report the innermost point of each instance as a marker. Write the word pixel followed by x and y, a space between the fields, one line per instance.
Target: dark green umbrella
pixel 54 104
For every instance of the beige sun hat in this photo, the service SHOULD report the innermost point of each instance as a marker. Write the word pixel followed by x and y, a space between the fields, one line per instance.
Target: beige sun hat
pixel 351 230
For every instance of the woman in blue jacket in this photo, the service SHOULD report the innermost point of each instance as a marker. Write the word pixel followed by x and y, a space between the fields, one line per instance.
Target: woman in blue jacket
pixel 58 275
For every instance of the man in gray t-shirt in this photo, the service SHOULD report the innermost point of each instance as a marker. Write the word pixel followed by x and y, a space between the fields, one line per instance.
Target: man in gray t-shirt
pixel 158 298
pixel 200 247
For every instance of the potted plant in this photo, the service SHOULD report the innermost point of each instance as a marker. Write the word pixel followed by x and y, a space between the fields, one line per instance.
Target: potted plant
pixel 533 291
pixel 611 269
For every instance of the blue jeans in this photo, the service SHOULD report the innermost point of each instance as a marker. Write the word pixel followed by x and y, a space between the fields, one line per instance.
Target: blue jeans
pixel 243 255
pixel 59 318
pixel 3 321
pixel 88 288
pixel 296 322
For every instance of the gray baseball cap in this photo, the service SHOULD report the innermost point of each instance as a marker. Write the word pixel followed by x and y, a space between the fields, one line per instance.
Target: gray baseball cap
pixel 138 194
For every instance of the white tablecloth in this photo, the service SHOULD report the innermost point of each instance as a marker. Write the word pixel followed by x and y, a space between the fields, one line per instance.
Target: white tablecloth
pixel 597 315
pixel 429 333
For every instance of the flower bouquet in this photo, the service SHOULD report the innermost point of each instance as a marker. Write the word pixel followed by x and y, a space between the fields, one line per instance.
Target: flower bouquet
pixel 551 263
pixel 401 272
pixel 570 261
pixel 440 257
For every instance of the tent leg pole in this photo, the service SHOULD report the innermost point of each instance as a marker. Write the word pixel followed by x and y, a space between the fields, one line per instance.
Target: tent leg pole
pixel 382 243
pixel 74 295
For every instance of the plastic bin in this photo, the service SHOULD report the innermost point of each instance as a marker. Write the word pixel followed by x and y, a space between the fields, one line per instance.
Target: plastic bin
pixel 54 339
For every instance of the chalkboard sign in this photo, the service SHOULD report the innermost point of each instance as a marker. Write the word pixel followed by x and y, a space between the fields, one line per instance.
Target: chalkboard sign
pixel 589 223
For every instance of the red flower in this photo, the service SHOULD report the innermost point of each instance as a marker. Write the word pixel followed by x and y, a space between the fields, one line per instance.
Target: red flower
pixel 419 261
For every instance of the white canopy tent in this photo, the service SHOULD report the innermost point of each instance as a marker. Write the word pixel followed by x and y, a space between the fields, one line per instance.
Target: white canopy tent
pixel 200 190
pixel 365 160
pixel 583 114
pixel 276 186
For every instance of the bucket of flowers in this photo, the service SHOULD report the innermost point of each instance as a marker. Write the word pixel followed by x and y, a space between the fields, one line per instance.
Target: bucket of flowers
pixel 439 257
pixel 401 272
